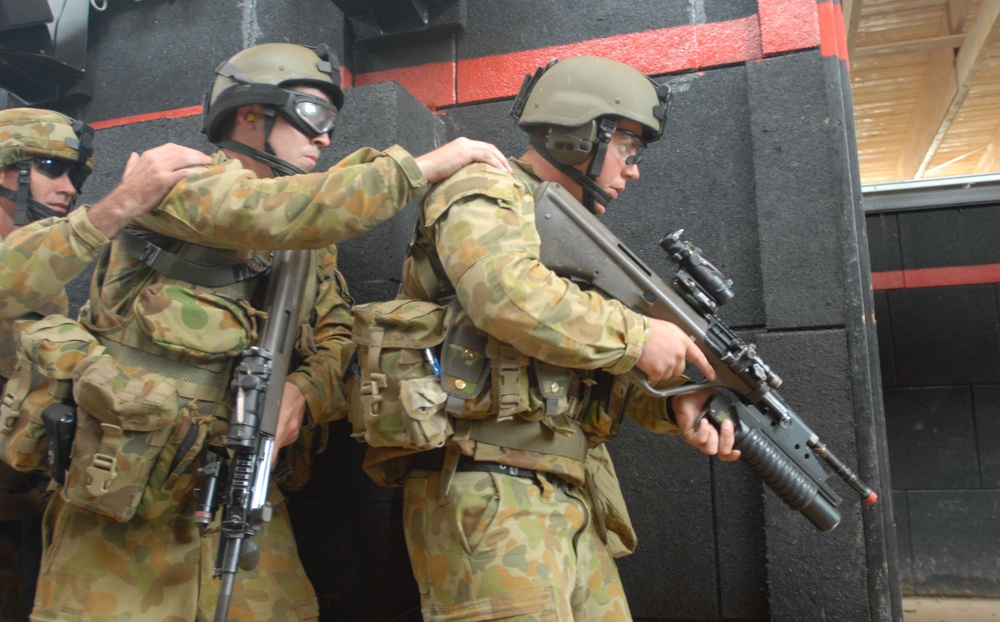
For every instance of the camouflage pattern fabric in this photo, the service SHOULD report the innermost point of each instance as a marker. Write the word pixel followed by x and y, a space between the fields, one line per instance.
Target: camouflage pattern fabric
pixel 153 572
pixel 227 206
pixel 36 263
pixel 481 222
pixel 502 547
pixel 34 132
pixel 98 569
pixel 508 548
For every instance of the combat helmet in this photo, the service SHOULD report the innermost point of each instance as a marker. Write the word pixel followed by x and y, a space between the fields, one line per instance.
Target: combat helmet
pixel 264 74
pixel 578 102
pixel 54 143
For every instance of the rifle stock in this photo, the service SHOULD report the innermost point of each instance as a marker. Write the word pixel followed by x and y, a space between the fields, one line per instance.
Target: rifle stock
pixel 777 445
pixel 259 381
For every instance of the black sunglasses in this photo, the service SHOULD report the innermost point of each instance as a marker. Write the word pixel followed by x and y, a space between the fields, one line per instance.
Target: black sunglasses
pixel 54 168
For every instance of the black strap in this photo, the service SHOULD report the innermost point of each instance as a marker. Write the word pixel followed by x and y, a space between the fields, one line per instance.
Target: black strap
pixel 175 267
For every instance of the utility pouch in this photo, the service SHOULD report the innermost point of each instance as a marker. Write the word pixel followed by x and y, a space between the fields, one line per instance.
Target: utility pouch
pixel 398 400
pixel 603 413
pixel 610 512
pixel 465 367
pixel 175 471
pixel 198 324
pixel 50 350
pixel 126 416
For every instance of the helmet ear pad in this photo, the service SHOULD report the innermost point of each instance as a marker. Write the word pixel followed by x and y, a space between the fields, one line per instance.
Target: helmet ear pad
pixel 571 145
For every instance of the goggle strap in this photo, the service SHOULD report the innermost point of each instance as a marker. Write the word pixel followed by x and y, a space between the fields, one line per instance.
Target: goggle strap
pixel 23 193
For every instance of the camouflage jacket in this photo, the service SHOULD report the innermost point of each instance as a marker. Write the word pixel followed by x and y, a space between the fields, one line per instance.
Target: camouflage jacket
pixel 234 209
pixel 480 224
pixel 36 263
pixel 228 206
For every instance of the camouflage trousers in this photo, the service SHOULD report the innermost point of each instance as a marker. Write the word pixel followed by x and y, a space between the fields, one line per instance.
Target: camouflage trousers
pixel 508 548
pixel 101 570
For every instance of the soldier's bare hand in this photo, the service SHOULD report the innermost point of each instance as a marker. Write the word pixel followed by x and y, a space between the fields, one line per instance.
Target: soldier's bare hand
pixel 147 180
pixel 290 417
pixel 702 434
pixel 445 160
pixel 150 176
pixel 666 352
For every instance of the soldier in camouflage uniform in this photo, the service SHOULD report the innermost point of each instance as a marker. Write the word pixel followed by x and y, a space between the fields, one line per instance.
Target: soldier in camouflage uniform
pixel 505 521
pixel 173 304
pixel 44 159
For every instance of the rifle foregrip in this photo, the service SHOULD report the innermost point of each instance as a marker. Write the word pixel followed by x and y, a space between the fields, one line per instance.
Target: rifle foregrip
pixel 785 479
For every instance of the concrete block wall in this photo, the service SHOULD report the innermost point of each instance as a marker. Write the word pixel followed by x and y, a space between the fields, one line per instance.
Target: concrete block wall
pixel 935 273
pixel 754 166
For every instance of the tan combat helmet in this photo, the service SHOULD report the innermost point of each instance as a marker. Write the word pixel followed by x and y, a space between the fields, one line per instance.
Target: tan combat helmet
pixel 49 142
pixel 264 74
pixel 578 102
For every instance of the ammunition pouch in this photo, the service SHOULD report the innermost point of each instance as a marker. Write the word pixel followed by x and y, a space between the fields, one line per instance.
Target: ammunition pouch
pixel 134 450
pixel 610 511
pixel 398 400
pixel 50 350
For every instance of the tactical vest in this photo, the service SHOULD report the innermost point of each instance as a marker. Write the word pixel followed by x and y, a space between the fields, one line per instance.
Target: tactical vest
pixel 160 392
pixel 493 395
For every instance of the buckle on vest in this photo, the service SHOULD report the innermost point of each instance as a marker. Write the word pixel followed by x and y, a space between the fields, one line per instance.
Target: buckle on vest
pixel 104 467
pixel 101 471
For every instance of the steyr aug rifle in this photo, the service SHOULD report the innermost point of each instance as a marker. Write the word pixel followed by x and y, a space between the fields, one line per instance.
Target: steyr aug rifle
pixel 239 485
pixel 776 444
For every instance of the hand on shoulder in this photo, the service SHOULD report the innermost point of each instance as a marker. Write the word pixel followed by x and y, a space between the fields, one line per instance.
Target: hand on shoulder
pixel 447 159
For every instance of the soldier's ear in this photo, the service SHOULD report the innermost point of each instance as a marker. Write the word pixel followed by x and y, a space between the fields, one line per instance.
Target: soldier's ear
pixel 248 115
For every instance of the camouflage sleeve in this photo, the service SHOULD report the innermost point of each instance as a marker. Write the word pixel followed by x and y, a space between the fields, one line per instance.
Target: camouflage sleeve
pixel 649 412
pixel 228 206
pixel 483 222
pixel 321 376
pixel 39 259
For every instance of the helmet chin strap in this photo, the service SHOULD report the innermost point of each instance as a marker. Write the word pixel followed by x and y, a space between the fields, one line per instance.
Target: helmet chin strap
pixel 279 167
pixel 26 208
pixel 592 192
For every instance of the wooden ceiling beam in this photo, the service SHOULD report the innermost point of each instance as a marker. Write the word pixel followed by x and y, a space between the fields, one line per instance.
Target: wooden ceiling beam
pixel 958 13
pixel 852 19
pixel 980 35
pixel 915 45
pixel 990 160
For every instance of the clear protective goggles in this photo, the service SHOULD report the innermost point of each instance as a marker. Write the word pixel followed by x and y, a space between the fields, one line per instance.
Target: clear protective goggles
pixel 311 115
pixel 629 146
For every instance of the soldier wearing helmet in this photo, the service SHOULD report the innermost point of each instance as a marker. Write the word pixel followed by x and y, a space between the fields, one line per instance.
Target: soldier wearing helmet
pixel 520 512
pixel 174 300
pixel 45 157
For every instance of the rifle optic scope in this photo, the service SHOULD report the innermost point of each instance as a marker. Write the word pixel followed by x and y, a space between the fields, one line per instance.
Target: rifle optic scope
pixel 688 258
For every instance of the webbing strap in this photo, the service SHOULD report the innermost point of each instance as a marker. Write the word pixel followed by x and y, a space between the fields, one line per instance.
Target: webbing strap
pixel 533 436
pixel 372 383
pixel 176 267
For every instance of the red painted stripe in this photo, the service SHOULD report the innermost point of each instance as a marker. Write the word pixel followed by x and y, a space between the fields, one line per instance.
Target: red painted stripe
pixel 787 25
pixel 433 84
pixel 983 274
pixel 665 50
pixel 781 26
pixel 841 34
pixel 176 113
pixel 887 280
pixel 833 34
